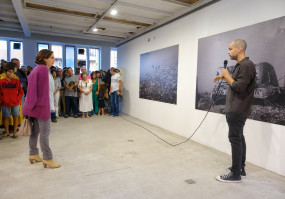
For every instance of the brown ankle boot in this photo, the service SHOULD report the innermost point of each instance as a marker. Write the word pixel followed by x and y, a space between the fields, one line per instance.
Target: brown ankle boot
pixel 51 164
pixel 36 157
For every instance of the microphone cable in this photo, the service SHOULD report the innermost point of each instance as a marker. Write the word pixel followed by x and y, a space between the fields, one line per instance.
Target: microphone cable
pixel 177 144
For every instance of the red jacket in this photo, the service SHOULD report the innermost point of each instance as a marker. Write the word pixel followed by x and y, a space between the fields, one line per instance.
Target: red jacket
pixel 11 92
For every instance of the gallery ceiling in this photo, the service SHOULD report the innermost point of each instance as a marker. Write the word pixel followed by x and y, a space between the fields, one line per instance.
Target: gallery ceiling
pixel 93 19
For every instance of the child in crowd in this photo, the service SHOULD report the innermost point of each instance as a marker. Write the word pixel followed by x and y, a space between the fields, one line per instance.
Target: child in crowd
pixel 11 93
pixel 102 90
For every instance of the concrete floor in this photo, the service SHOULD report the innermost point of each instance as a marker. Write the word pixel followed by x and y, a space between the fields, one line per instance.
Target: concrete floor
pixel 106 157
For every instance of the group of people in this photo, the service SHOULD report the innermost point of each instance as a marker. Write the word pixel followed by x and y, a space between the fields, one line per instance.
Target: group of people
pixel 51 92
pixel 13 88
pixel 84 94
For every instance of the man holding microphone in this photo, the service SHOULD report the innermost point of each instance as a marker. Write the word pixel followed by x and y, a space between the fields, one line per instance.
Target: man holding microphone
pixel 238 104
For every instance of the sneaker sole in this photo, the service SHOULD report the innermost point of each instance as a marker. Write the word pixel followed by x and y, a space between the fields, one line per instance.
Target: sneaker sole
pixel 218 178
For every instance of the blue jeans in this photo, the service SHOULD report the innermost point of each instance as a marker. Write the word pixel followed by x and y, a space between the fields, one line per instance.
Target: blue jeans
pixel 52 115
pixel 7 111
pixel 115 103
pixel 71 102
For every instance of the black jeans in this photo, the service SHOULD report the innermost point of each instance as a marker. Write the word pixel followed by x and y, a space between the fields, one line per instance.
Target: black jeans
pixel 236 123
pixel 71 102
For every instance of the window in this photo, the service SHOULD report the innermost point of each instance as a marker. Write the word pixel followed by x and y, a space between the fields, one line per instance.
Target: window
pixel 16 51
pixel 114 58
pixel 42 46
pixel 57 52
pixel 93 59
pixel 69 56
pixel 81 57
pixel 3 50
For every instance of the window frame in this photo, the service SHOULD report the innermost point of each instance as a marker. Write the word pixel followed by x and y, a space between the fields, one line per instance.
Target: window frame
pixel 74 56
pixel 11 48
pixel 43 44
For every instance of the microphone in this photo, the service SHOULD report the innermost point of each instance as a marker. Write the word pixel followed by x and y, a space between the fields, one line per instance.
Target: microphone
pixel 225 64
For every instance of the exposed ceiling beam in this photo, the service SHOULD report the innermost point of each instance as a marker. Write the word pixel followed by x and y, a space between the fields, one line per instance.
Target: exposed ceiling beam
pixel 8 13
pixel 8 5
pixel 107 1
pixel 53 25
pixel 67 6
pixel 10 25
pixel 177 3
pixel 58 21
pixel 9 19
pixel 129 22
pixel 94 25
pixel 69 30
pixel 21 16
pixel 136 18
pixel 145 8
pixel 59 10
pixel 185 3
pixel 31 13
pixel 12 29
pixel 76 35
pixel 105 35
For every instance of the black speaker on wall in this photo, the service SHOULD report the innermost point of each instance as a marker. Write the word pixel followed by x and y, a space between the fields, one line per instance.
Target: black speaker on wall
pixel 81 51
pixel 17 46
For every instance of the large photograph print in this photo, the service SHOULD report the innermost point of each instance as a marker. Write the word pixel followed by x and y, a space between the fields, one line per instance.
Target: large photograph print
pixel 158 75
pixel 266 48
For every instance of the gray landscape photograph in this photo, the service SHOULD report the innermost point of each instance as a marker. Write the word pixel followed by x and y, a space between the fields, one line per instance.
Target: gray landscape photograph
pixel 158 75
pixel 266 48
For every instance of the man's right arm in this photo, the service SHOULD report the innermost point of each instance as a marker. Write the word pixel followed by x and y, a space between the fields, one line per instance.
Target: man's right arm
pixel 69 88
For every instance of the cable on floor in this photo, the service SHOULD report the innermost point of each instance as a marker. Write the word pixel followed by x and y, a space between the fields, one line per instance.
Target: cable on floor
pixel 177 144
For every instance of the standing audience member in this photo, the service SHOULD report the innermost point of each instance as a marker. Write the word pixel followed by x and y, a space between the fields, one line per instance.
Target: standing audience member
pixel 22 76
pixel 77 70
pixel 11 93
pixel 51 96
pixel 95 101
pixel 3 63
pixel 24 69
pixel 71 98
pixel 11 122
pixel 107 81
pixel 116 85
pixel 85 101
pixel 37 106
pixel 83 71
pixel 57 85
pixel 61 104
pixel 25 85
pixel 29 69
pixel 102 90
pixel 103 74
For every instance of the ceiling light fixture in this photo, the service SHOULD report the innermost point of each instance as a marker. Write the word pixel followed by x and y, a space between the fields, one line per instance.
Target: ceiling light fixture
pixel 114 12
pixel 95 30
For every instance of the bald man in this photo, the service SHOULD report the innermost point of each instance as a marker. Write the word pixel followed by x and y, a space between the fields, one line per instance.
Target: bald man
pixel 238 104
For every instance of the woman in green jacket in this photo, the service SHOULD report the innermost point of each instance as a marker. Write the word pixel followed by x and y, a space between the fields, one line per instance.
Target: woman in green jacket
pixel 96 82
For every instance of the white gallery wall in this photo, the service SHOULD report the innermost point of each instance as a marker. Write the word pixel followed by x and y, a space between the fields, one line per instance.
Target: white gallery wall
pixel 265 141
